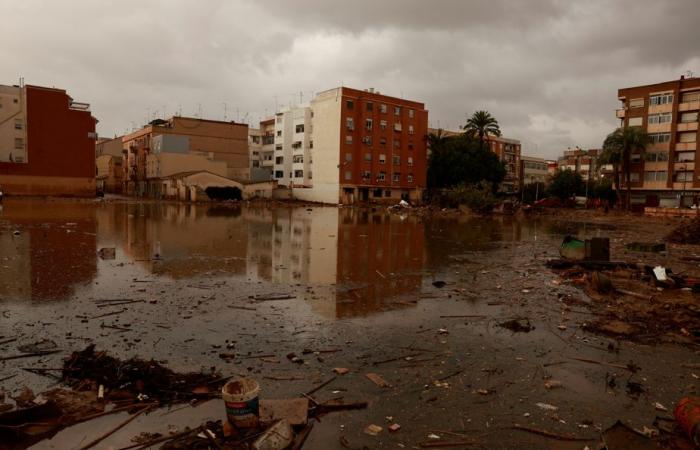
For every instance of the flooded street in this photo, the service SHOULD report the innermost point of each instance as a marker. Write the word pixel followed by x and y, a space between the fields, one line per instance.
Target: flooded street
pixel 239 288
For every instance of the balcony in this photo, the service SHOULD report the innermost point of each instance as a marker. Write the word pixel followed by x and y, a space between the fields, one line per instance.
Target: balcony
pixel 659 127
pixel 687 126
pixel 689 106
pixel 682 166
pixel 685 146
pixel 620 113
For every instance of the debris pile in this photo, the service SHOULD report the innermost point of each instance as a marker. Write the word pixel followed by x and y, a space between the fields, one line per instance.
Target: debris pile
pixel 686 233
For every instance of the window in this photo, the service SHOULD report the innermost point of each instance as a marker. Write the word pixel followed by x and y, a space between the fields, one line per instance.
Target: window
pixel 19 144
pixel 278 147
pixel 382 141
pixel 366 175
pixel 18 124
pixel 410 113
pixel 410 129
pixel 311 144
pixel 382 124
pixel 685 156
pixel 689 117
pixel 279 160
pixel 635 121
pixel 397 110
pixel 687 137
pixel 397 126
pixel 368 156
pixel 410 161
pixel 300 128
pixel 690 97
pixel 367 140
pixel 387 193
pixel 368 124
pixel 279 133
pixel 381 176
pixel 396 177
pixel 659 138
pixel 382 158
pixel 350 104
pixel 14 100
pixel 397 143
pixel 410 145
pixel 397 160
pixel 298 174
pixel 349 123
pixel 659 118
pixel 656 156
pixel 279 119
pixel 660 99
pixel 382 108
pixel 279 174
pixel 348 157
pixel 298 159
pixel 370 106
pixel 655 176
pixel 348 175
pixel 635 157
pixel 410 178
pixel 634 177
pixel 637 103
pixel 297 145
pixel 683 176
pixel 348 139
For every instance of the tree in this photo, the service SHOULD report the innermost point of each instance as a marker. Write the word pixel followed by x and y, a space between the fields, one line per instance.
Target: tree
pixel 622 143
pixel 436 141
pixel 460 159
pixel 611 155
pixel 482 124
pixel 565 184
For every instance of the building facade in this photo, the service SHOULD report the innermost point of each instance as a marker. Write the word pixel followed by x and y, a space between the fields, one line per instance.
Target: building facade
pixel 362 146
pixel 508 151
pixel 47 143
pixel 165 147
pixel 583 162
pixel 666 174
pixel 533 170
pixel 293 144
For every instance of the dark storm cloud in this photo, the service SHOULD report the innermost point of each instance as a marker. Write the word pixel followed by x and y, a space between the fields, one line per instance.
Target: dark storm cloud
pixel 549 70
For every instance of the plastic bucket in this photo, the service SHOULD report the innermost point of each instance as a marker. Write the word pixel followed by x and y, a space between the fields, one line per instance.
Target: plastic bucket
pixel 242 403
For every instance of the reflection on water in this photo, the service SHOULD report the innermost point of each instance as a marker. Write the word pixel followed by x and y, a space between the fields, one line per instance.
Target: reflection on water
pixel 363 260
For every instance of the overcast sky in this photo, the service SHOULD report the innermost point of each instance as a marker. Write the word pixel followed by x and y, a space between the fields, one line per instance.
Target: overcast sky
pixel 547 70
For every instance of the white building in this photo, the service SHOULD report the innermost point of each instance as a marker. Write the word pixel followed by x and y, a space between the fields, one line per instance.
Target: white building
pixel 293 144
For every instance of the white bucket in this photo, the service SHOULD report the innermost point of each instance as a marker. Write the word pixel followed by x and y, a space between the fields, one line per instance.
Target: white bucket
pixel 242 402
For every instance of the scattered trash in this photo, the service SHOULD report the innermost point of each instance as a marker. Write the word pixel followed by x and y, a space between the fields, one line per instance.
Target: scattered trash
pixel 241 401
pixel 686 233
pixel 660 407
pixel 341 370
pixel 373 429
pixel 621 437
pixel 546 406
pixel 520 325
pixel 108 253
pixel 278 437
pixel 394 427
pixel 687 414
pixel 16 233
pixel 378 380
pixel 594 249
pixel 294 358
pixel 601 283
pixel 552 384
pixel 650 247
pixel 293 410
pixel 660 273
pixel 439 284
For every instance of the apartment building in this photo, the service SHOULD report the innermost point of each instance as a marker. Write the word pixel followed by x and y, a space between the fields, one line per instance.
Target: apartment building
pixel 666 174
pixel 508 151
pixel 533 170
pixel 47 143
pixel 352 145
pixel 583 162
pixel 180 144
pixel 293 144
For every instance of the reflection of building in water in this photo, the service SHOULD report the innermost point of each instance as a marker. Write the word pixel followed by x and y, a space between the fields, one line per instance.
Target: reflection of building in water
pixel 55 252
pixel 380 259
pixel 182 240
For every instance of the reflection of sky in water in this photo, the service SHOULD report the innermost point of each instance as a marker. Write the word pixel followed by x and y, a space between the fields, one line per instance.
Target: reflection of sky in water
pixel 365 257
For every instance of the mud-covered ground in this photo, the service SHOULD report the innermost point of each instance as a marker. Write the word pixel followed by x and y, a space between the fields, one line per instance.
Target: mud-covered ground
pixel 363 297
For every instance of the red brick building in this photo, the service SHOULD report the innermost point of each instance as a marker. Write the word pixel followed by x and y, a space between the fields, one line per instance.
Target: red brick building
pixel 47 143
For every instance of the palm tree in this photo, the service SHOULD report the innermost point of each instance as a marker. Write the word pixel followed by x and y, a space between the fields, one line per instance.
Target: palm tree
pixel 620 144
pixel 611 155
pixel 482 124
pixel 436 141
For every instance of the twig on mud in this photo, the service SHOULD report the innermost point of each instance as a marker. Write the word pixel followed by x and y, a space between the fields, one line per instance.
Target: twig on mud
pixel 152 442
pixel 549 434
pixel 117 428
pixel 113 313
pixel 376 363
pixel 325 383
pixel 29 355
pixel 451 375
pixel 603 363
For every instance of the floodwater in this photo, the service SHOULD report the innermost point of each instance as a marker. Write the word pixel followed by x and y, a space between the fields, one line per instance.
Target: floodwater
pixel 361 290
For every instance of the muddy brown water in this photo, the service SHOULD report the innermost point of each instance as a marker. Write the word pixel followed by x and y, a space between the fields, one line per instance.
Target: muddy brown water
pixel 215 279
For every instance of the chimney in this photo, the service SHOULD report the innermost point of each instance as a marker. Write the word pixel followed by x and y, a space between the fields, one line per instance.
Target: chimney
pixel 682 77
